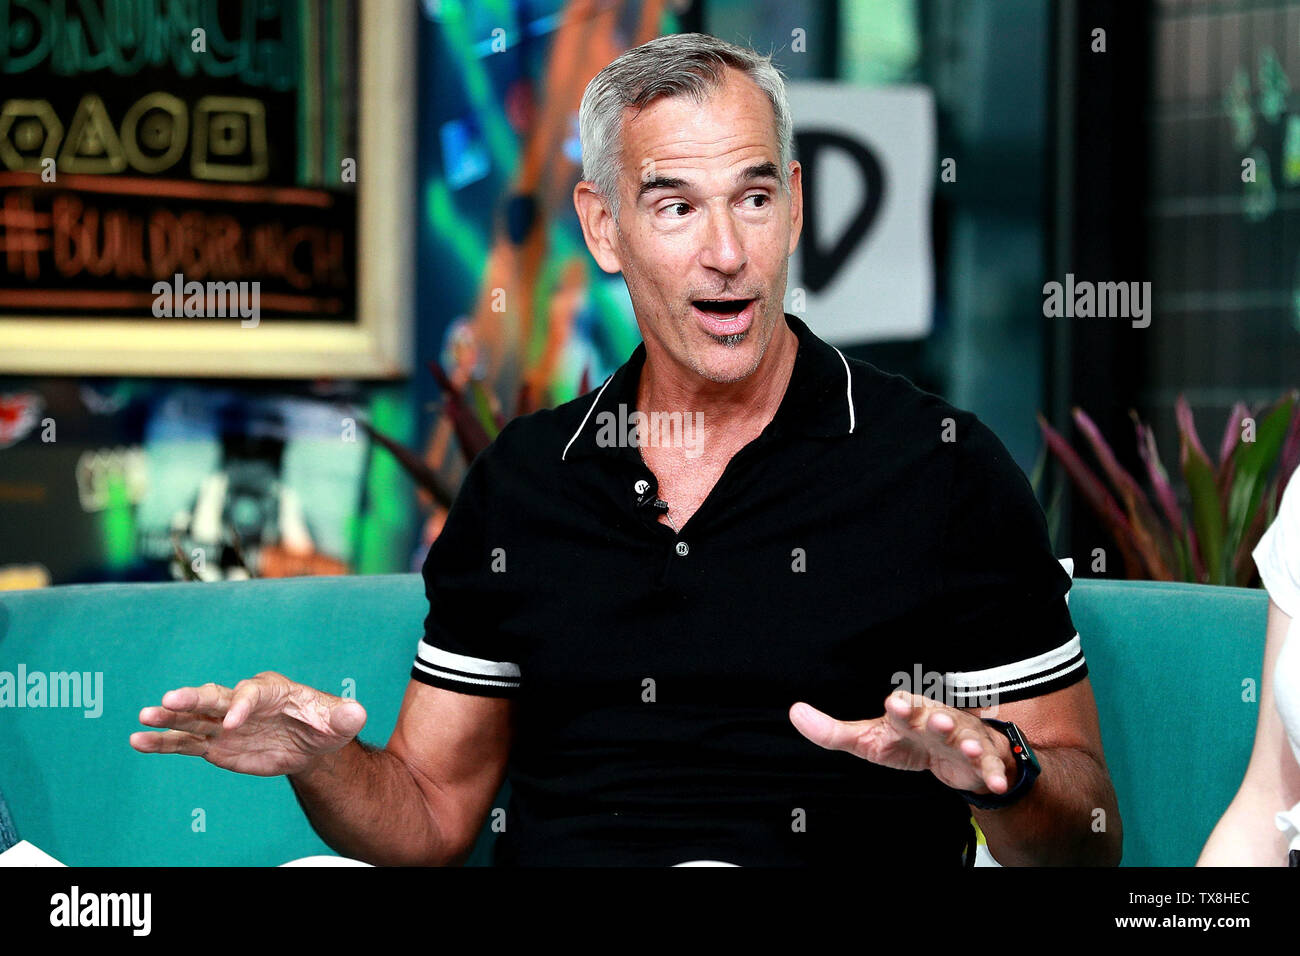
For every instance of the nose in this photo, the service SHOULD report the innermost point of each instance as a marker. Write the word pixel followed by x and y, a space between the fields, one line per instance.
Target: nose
pixel 723 248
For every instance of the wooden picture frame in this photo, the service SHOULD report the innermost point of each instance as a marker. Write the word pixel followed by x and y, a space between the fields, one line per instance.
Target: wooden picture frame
pixel 377 345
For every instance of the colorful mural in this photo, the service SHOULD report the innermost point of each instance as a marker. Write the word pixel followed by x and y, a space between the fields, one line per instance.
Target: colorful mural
pixel 509 293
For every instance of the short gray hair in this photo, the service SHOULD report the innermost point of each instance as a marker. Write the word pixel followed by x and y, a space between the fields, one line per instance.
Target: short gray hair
pixel 678 64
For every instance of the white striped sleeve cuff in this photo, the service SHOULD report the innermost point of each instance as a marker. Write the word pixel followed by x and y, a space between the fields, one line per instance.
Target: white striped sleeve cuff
pixel 473 675
pixel 1030 677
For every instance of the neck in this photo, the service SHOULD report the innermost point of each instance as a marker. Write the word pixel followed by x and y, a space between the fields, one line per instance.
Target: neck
pixel 741 408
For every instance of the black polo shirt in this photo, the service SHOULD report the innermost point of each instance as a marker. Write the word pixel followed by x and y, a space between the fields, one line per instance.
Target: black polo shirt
pixel 872 535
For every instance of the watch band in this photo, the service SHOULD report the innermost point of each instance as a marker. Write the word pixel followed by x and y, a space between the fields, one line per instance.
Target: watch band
pixel 1024 756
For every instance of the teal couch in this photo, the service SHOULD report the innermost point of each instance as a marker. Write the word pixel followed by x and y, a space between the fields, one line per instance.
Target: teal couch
pixel 1167 663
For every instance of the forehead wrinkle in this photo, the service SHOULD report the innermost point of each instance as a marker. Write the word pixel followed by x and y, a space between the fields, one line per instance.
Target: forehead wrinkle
pixel 687 146
pixel 689 125
pixel 679 160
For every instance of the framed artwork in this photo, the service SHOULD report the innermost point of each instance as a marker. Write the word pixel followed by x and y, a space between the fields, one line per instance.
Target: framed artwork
pixel 228 196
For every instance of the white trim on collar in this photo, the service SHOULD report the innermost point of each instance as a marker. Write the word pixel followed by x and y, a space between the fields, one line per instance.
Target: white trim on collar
pixel 848 389
pixel 848 396
pixel 586 416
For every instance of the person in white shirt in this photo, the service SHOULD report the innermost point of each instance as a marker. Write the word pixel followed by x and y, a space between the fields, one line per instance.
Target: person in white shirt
pixel 1261 827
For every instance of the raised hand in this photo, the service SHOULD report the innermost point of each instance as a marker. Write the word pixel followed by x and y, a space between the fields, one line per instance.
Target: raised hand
pixel 265 726
pixel 915 733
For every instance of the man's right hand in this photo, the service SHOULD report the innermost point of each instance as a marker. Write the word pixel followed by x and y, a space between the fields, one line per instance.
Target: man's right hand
pixel 265 726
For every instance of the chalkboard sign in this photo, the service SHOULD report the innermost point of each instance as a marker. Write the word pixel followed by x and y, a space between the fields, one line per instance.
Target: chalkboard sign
pixel 213 189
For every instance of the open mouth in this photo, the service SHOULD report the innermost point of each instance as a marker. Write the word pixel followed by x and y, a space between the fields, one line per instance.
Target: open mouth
pixel 727 321
pixel 722 308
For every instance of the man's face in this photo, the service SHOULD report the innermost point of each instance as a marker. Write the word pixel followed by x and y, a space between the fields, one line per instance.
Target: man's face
pixel 705 229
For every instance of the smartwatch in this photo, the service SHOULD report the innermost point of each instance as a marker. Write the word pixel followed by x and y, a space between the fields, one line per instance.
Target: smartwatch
pixel 1029 770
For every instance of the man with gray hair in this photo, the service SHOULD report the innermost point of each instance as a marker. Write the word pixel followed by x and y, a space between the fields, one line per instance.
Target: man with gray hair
pixel 651 644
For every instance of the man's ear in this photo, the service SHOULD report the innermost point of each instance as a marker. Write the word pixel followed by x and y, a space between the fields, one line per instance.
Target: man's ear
pixel 598 226
pixel 796 205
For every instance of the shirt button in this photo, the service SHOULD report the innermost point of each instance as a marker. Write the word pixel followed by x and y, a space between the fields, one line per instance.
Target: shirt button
pixel 641 486
pixel 683 548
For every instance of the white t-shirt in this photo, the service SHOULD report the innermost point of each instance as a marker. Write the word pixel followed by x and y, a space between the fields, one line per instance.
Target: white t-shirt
pixel 1278 558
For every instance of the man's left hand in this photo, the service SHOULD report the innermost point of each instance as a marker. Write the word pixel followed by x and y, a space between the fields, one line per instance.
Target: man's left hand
pixel 914 733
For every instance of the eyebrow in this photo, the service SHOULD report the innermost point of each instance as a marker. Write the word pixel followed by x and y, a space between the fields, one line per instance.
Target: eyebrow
pixel 761 171
pixel 766 170
pixel 660 182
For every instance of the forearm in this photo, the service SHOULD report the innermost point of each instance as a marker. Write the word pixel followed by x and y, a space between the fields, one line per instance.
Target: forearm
pixel 365 803
pixel 1246 834
pixel 1070 816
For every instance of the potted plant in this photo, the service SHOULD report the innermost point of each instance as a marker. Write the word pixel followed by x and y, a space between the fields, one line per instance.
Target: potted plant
pixel 1230 503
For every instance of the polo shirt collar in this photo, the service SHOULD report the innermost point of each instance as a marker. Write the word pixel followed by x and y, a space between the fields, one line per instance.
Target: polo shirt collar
pixel 817 402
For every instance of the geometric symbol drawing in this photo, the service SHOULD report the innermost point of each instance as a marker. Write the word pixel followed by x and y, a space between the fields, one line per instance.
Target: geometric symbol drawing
pixel 29 132
pixel 229 139
pixel 154 132
pixel 92 145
